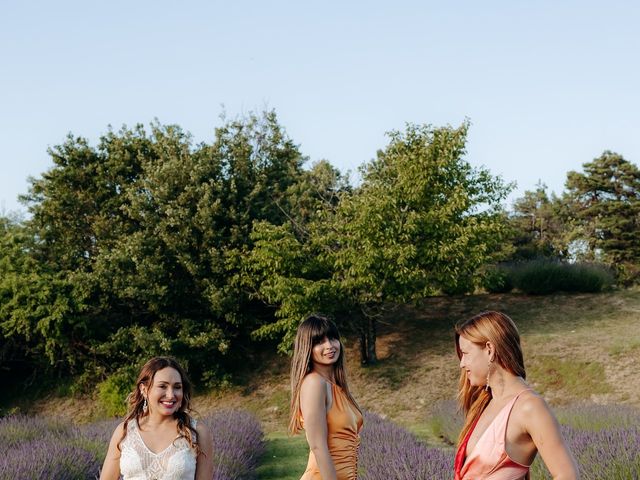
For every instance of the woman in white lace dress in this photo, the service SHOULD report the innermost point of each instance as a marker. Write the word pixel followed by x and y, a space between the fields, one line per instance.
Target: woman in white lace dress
pixel 158 439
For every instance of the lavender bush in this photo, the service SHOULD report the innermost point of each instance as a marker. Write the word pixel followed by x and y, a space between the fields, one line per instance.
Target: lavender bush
pixel 36 448
pixel 611 453
pixel 389 451
pixel 48 459
pixel 446 421
pixel 238 444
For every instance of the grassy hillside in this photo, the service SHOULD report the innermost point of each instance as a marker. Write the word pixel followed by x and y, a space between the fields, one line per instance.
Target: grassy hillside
pixel 577 348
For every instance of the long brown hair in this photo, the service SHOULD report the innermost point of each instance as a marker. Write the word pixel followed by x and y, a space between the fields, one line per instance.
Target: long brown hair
pixel 135 399
pixel 313 330
pixel 499 329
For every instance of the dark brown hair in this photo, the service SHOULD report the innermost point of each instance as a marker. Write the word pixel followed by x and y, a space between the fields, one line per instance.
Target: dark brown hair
pixel 313 330
pixel 136 400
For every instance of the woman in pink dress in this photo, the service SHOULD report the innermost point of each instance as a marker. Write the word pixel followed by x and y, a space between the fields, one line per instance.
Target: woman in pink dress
pixel 506 422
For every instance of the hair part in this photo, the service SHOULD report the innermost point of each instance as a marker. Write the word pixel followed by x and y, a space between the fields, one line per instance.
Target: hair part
pixel 135 400
pixel 313 330
pixel 498 329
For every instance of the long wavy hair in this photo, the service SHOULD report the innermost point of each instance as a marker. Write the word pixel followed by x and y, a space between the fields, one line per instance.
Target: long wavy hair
pixel 312 331
pixel 499 329
pixel 135 400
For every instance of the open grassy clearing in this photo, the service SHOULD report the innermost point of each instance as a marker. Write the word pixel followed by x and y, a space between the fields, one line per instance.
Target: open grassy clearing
pixel 577 348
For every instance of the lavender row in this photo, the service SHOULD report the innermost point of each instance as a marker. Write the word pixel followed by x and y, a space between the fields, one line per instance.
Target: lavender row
pixel 36 448
pixel 389 451
pixel 238 444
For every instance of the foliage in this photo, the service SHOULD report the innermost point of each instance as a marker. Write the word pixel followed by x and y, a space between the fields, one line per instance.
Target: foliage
pixel 133 248
pixel 605 200
pixel 541 277
pixel 113 391
pixel 422 221
pixel 497 279
pixel 539 226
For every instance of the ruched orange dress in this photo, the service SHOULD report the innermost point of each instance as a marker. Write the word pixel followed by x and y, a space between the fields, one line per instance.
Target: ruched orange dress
pixel 344 423
pixel 489 459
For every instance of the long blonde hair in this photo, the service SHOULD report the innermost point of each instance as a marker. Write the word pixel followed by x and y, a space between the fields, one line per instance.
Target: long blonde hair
pixel 313 330
pixel 136 400
pixel 499 329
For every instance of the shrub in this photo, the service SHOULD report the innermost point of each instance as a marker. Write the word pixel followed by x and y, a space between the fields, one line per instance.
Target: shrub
pixel 446 421
pixel 112 393
pixel 389 451
pixel 238 444
pixel 48 459
pixel 39 448
pixel 540 277
pixel 497 279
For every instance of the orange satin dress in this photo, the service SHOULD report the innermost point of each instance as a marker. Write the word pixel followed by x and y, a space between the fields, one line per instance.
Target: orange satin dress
pixel 489 459
pixel 344 423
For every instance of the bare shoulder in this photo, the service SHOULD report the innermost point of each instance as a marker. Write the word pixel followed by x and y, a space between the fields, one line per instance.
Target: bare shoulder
pixel 202 430
pixel 313 383
pixel 531 403
pixel 119 430
pixel 531 411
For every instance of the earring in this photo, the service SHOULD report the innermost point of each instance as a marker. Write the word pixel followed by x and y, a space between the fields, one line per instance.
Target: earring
pixel 486 387
pixel 145 407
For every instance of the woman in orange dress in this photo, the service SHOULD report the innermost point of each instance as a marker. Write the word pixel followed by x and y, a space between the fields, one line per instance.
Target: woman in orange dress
pixel 321 403
pixel 506 422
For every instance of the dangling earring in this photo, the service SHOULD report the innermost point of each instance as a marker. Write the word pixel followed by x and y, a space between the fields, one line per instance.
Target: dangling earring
pixel 145 407
pixel 486 387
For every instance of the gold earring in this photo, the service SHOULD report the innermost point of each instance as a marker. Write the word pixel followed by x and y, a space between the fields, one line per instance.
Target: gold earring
pixel 486 387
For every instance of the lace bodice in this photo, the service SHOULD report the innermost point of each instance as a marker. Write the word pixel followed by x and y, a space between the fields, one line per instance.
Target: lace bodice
pixel 137 462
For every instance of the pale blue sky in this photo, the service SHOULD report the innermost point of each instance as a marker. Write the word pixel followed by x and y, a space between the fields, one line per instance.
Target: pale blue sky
pixel 547 85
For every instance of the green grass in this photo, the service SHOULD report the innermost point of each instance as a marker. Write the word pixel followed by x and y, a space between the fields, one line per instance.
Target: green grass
pixel 285 458
pixel 580 379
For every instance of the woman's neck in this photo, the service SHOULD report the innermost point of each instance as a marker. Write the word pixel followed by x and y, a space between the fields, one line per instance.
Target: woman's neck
pixel 325 371
pixel 157 420
pixel 505 385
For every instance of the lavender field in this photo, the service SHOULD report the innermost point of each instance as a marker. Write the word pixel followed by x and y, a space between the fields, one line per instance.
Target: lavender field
pixel 36 448
pixel 605 439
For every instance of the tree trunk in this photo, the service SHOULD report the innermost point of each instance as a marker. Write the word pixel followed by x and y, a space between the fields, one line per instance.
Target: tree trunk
pixel 368 354
pixel 371 341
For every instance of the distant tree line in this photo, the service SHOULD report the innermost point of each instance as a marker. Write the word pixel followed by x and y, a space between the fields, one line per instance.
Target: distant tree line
pixel 148 244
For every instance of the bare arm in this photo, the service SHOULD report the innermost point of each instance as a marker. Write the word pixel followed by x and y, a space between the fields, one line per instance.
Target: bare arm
pixel 204 462
pixel 544 430
pixel 111 466
pixel 313 403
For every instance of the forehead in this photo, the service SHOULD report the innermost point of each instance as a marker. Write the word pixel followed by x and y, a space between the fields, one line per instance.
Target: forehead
pixel 466 344
pixel 168 375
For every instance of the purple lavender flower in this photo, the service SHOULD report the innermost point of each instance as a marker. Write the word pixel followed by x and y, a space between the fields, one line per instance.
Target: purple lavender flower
pixel 238 444
pixel 388 451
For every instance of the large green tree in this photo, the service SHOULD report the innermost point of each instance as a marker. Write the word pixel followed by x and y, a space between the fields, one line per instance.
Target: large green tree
pixel 140 242
pixel 605 200
pixel 422 221
pixel 539 225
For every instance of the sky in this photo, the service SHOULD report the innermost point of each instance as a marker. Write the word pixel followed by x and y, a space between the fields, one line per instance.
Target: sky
pixel 546 85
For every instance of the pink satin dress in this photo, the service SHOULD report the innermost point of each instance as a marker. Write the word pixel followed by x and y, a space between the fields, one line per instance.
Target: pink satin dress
pixel 344 423
pixel 489 460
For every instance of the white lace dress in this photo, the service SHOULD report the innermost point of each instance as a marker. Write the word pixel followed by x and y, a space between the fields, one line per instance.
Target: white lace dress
pixel 137 462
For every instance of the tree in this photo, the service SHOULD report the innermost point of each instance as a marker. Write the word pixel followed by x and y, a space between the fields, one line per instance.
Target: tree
pixel 605 200
pixel 539 226
pixel 423 221
pixel 143 236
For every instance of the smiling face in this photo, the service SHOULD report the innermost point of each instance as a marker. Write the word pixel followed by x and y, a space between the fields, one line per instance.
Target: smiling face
pixel 164 396
pixel 475 360
pixel 326 352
